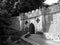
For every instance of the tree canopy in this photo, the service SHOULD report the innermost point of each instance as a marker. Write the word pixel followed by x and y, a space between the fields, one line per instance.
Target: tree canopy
pixel 14 7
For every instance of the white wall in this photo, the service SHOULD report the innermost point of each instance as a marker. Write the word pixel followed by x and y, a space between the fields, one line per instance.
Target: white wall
pixel 55 24
pixel 54 8
pixel 35 14
pixel 38 26
pixel 54 29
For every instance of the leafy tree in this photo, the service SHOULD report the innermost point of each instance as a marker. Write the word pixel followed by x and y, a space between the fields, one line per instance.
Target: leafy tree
pixel 14 7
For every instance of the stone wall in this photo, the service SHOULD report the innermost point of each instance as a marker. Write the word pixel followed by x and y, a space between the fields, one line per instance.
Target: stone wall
pixel 38 25
pixel 52 16
pixel 53 23
pixel 35 17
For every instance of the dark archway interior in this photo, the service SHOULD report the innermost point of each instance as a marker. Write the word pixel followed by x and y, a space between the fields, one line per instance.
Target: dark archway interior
pixel 32 28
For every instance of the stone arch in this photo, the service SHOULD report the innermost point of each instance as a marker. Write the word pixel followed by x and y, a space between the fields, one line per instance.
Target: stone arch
pixel 31 28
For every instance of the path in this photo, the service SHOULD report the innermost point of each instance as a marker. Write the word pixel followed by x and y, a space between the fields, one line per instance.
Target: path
pixel 36 39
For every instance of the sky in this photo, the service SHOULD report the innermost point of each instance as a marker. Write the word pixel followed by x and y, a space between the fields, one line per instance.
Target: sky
pixel 50 2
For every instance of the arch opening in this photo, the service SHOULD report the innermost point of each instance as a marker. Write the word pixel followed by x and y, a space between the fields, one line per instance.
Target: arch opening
pixel 32 28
